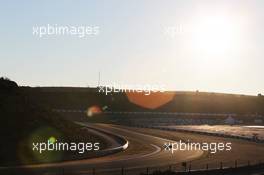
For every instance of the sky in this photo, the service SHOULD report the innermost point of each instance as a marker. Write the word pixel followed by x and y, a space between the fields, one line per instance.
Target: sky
pixel 205 45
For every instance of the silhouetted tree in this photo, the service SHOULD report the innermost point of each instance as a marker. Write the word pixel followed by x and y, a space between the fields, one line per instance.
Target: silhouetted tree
pixel 7 85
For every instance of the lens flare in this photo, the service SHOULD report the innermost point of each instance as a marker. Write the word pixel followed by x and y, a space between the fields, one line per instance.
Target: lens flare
pixel 151 101
pixel 28 155
pixel 93 110
pixel 52 139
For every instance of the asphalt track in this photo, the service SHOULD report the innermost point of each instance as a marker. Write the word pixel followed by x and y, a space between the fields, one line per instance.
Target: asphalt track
pixel 144 151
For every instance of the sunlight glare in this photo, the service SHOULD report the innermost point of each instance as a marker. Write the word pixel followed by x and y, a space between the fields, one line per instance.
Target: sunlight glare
pixel 215 35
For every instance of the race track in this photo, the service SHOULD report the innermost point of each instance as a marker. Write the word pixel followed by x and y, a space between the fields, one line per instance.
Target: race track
pixel 144 151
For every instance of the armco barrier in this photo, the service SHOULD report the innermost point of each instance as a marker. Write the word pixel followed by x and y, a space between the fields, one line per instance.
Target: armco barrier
pixel 120 139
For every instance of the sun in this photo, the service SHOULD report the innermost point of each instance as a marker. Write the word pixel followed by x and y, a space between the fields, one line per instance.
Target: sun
pixel 214 35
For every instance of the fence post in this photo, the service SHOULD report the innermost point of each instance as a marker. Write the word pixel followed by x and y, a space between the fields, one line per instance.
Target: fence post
pixel 184 164
pixel 207 167
pixel 235 163
pixel 190 167
pixel 147 170
pixel 122 171
pixel 93 171
pixel 221 165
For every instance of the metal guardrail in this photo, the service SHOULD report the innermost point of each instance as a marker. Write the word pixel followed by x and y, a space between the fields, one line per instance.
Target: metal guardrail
pixel 124 143
pixel 257 169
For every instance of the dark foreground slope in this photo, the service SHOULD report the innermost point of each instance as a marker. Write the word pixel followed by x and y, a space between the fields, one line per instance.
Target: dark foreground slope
pixel 24 120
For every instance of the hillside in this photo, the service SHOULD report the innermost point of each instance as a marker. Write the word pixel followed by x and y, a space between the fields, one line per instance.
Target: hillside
pixel 82 98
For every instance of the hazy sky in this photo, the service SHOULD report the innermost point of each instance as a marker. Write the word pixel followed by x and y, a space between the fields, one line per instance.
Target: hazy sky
pixel 185 45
